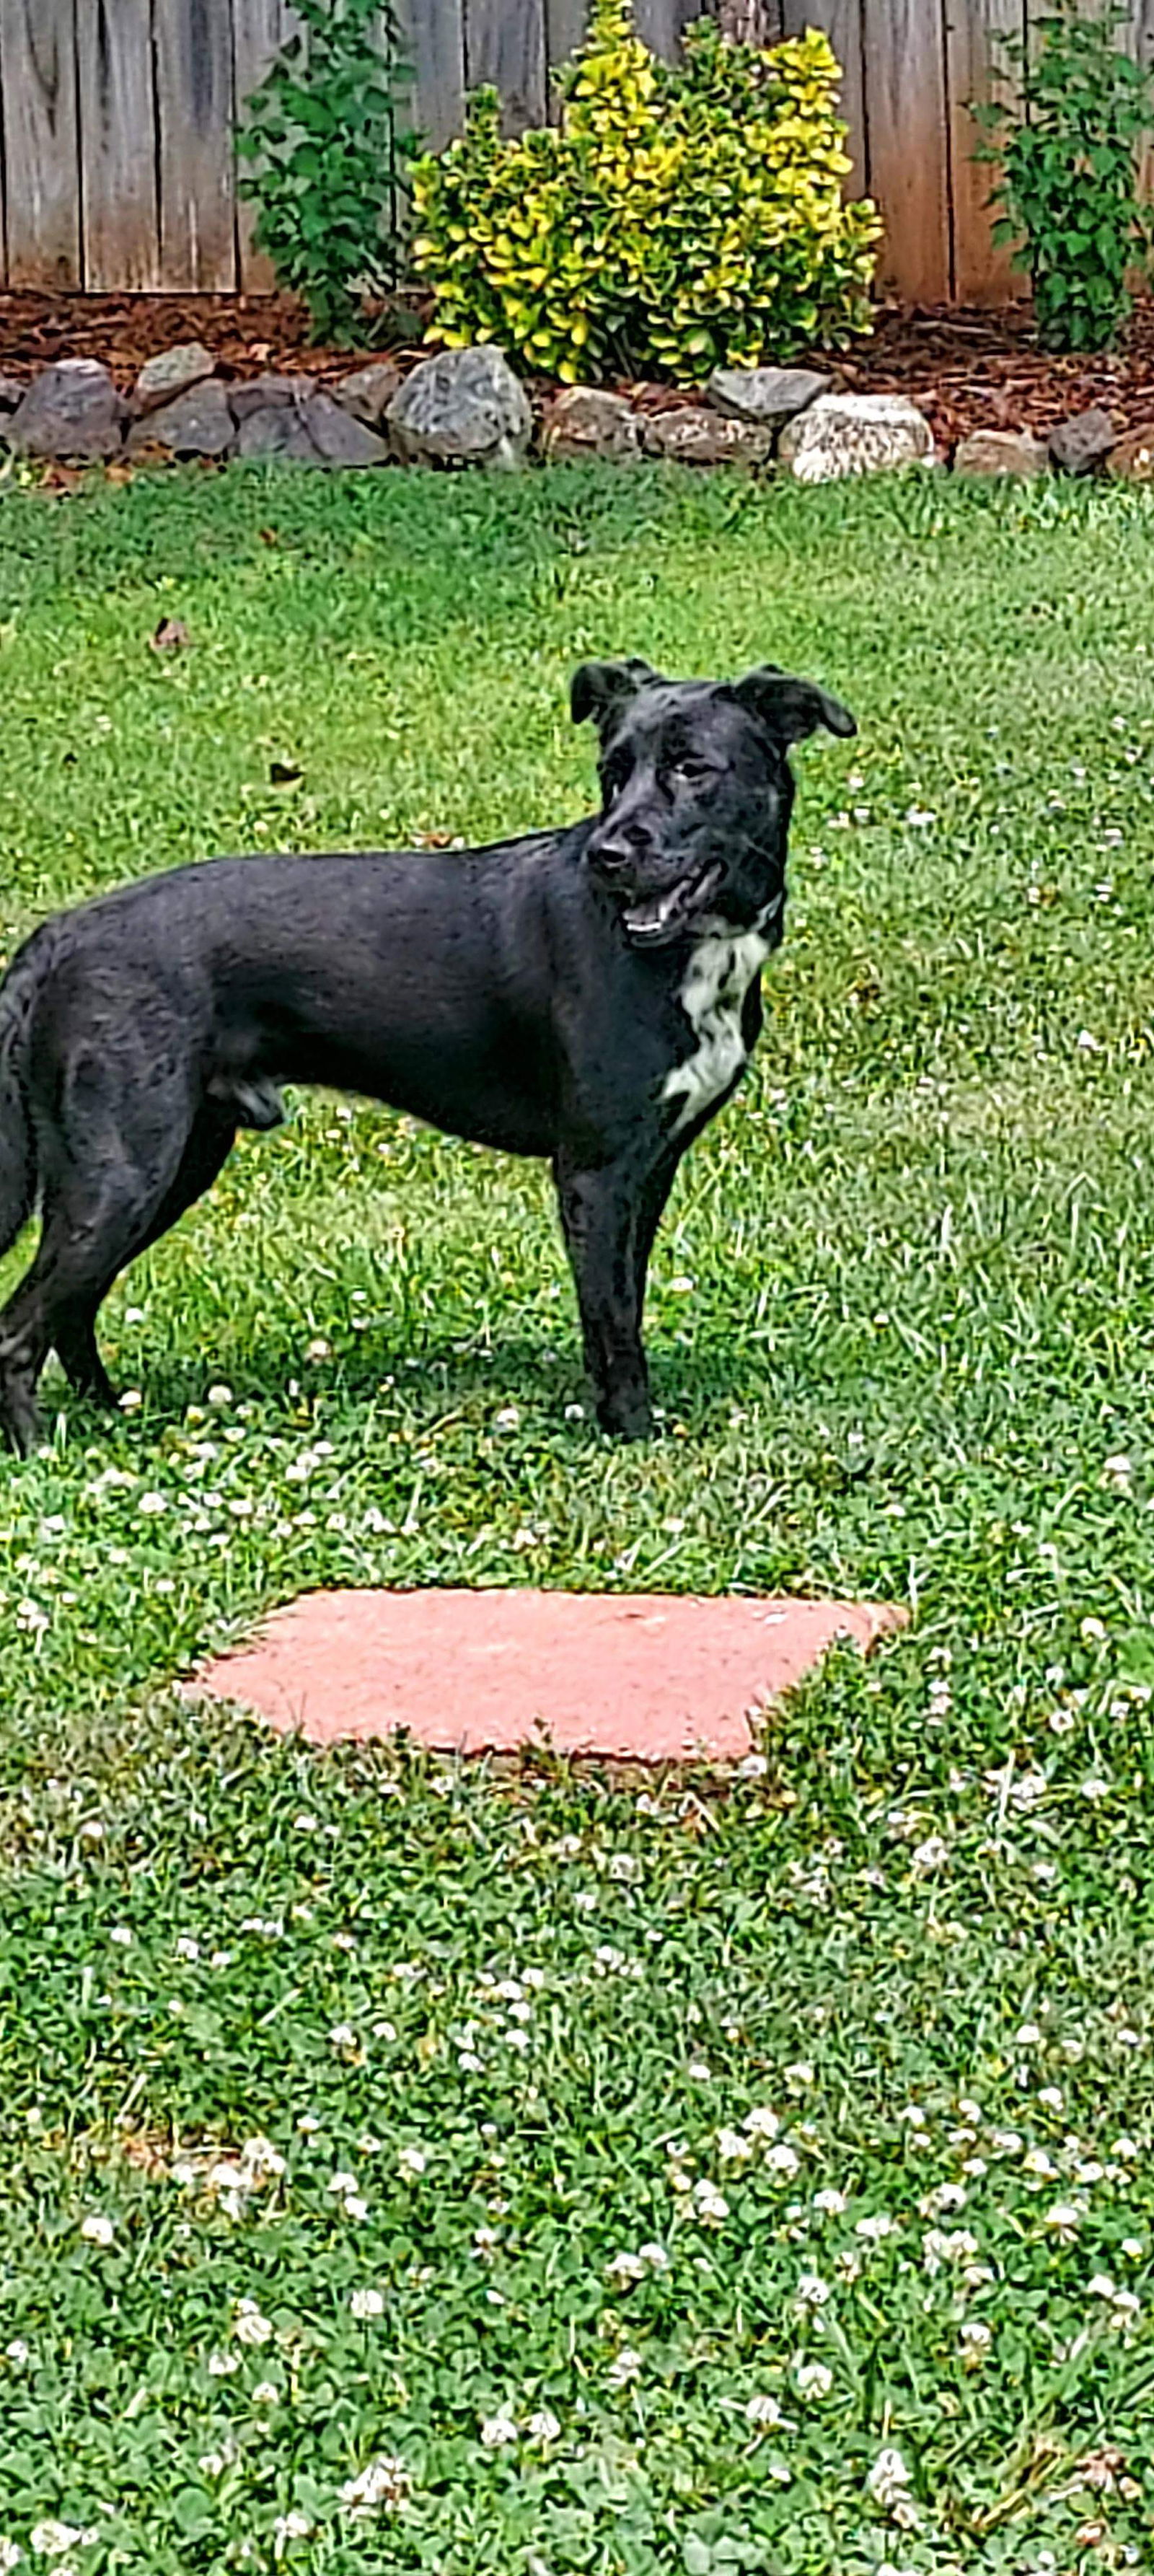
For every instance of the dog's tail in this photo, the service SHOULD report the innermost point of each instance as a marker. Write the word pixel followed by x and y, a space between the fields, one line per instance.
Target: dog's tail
pixel 18 1173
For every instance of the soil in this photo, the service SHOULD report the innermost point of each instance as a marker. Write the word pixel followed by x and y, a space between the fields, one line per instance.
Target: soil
pixel 966 369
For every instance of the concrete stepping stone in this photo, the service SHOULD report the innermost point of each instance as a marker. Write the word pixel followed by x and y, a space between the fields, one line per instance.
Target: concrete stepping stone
pixel 642 1677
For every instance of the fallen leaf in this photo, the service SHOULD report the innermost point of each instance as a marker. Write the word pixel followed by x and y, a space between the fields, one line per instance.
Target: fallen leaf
pixel 285 773
pixel 171 636
pixel 269 537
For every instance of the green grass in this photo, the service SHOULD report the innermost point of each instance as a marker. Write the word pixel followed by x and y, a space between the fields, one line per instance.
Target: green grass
pixel 901 1337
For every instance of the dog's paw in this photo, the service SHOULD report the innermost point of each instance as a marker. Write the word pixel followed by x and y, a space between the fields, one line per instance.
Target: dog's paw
pixel 626 1415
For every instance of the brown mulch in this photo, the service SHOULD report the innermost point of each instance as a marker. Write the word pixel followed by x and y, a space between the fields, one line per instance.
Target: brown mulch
pixel 966 369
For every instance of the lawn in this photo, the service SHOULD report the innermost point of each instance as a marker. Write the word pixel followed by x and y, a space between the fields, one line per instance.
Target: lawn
pixel 410 2169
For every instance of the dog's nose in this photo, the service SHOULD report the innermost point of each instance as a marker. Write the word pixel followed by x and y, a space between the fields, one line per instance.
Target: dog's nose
pixel 613 857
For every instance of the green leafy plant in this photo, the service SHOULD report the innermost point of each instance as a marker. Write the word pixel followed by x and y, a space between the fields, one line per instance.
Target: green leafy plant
pixel 675 219
pixel 331 155
pixel 1067 151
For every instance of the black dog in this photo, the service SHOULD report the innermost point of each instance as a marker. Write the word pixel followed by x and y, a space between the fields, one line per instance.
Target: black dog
pixel 589 994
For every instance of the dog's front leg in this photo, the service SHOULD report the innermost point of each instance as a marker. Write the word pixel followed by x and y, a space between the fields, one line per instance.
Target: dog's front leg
pixel 609 1218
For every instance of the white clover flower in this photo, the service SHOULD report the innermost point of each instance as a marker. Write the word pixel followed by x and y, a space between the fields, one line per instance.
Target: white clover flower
pixel 150 1506
pixel 830 2204
pixel 1065 2218
pixel 733 2147
pixel 121 1935
pixel 220 2365
pixel 411 2163
pixel 812 2291
pixel 625 2267
pixel 710 2204
pixel 1101 2287
pixel 250 2326
pixel 383 2481
pixel 624 2369
pixel 699 2071
pixel 1127 2149
pixel 781 2159
pixel 946 2195
pixel 1028 2036
pixel 10 2556
pixel 1132 2247
pixel 18 2352
pixel 290 2526
pixel 97 2229
pixel 1051 2098
pixel 800 2074
pixel 889 2479
pixel 497 2431
pixel 1036 2161
pixel 342 2036
pixel 813 2379
pixel 975 2340
pixel 932 1854
pixel 876 2226
pixel 367 2303
pixel 354 2207
pixel 655 2257
pixel 54 2539
pixel 544 2426
pixel 265 2393
pixel 763 2410
pixel 342 2183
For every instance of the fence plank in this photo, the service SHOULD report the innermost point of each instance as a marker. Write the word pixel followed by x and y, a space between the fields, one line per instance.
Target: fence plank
pixel 259 27
pixel 660 22
pixel 117 144
pixel 565 22
pixel 977 69
pixel 505 44
pixel 906 113
pixel 194 110
pixel 435 32
pixel 841 21
pixel 38 65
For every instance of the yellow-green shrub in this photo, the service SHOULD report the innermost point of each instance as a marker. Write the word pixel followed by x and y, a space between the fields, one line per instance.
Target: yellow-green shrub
pixel 676 219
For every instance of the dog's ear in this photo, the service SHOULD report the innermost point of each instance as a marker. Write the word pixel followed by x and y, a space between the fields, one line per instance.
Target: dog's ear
pixel 601 689
pixel 790 709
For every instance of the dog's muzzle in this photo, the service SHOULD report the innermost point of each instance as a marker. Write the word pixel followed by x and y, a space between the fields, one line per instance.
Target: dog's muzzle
pixel 651 920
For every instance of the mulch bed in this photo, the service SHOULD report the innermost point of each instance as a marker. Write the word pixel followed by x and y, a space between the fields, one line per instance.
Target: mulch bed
pixel 966 369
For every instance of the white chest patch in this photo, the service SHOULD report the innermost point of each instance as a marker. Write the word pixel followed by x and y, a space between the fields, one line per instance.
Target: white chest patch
pixel 720 972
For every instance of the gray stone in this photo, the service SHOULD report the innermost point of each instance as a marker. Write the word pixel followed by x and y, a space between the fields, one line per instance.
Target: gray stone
pixel 12 392
pixel 281 432
pixel 1000 451
pixel 269 393
pixel 583 421
pixel 368 392
pixel 1132 459
pixel 855 434
pixel 198 423
pixel 1084 441
pixel 695 436
pixel 72 411
pixel 463 407
pixel 174 372
pixel 765 396
pixel 339 438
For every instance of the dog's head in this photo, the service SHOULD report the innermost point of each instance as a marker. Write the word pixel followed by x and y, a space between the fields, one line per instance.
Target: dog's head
pixel 696 791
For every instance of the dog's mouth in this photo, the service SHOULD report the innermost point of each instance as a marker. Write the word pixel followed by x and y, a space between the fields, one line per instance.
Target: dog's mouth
pixel 654 919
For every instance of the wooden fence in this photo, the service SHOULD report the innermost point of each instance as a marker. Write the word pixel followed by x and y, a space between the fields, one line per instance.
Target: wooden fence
pixel 117 119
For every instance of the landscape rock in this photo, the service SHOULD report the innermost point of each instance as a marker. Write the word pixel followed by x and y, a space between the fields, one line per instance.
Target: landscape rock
pixel 855 434
pixel 281 432
pixel 173 372
pixel 1000 451
pixel 1131 459
pixel 765 396
pixel 12 392
pixel 699 437
pixel 368 392
pixel 198 423
pixel 270 393
pixel 1084 441
pixel 338 438
pixel 463 407
pixel 584 421
pixel 71 411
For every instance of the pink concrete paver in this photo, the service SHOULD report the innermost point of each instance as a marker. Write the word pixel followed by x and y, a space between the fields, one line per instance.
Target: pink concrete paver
pixel 641 1677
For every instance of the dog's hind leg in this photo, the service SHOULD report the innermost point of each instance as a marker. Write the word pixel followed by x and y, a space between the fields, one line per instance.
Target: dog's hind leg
pixel 74 1334
pixel 119 1170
